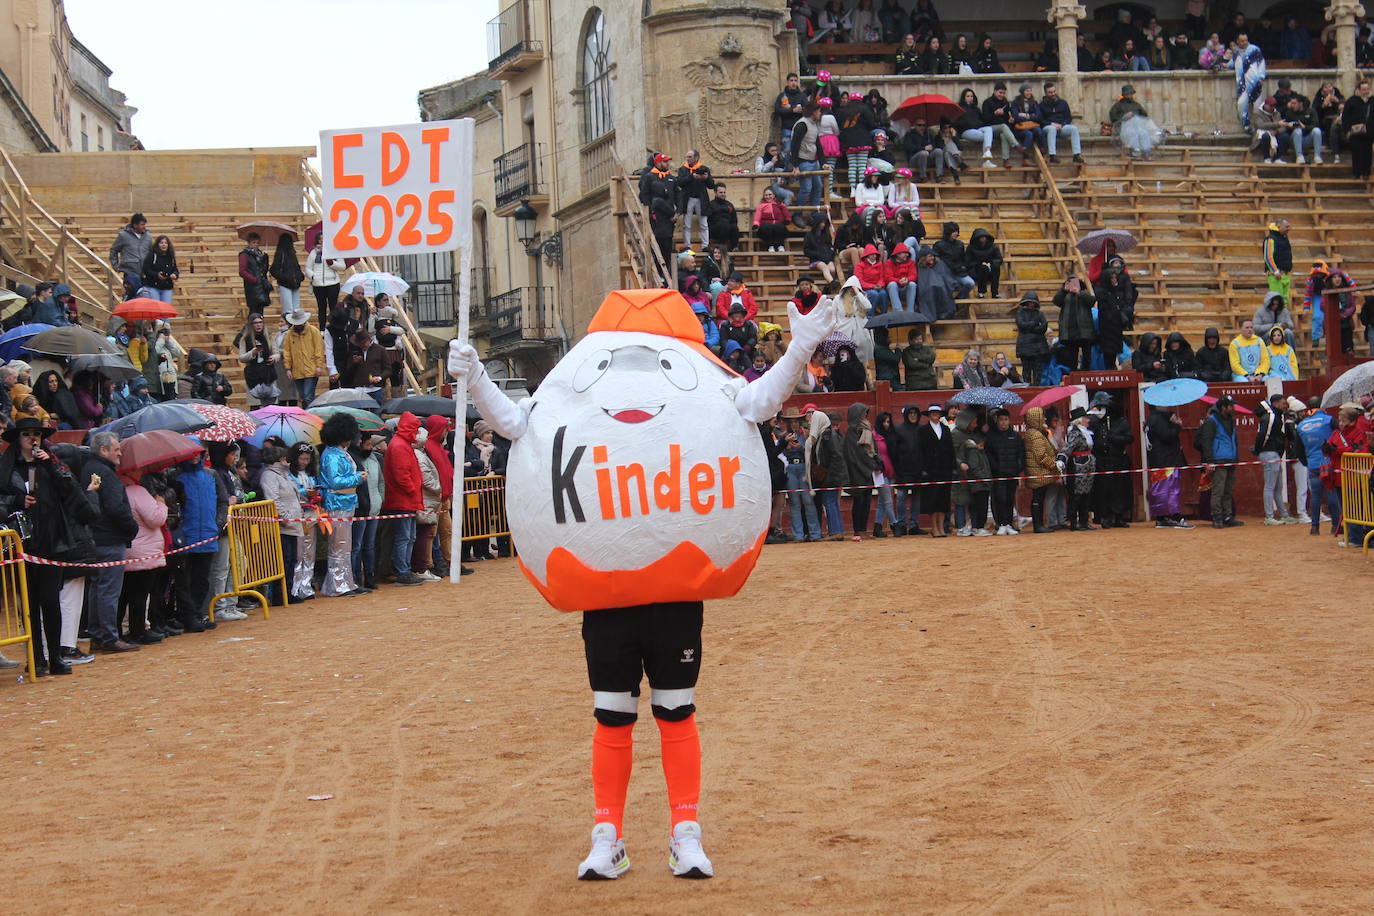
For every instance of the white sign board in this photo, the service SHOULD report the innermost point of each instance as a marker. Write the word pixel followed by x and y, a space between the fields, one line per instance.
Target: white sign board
pixel 397 190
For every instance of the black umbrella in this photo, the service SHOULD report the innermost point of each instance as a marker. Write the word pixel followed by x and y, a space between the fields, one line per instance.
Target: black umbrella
pixel 69 340
pixel 422 405
pixel 177 418
pixel 111 365
pixel 896 319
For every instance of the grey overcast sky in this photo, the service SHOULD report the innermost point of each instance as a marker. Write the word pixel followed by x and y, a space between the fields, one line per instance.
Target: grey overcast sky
pixel 206 74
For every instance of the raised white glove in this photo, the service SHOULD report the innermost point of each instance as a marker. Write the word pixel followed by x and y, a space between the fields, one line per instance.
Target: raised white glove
pixel 463 363
pixel 809 330
pixel 495 406
pixel 761 398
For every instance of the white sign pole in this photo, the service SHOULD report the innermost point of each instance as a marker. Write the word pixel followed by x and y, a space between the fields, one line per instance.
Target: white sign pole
pixel 460 395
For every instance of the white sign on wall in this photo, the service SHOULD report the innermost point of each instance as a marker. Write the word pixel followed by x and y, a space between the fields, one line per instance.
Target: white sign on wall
pixel 397 190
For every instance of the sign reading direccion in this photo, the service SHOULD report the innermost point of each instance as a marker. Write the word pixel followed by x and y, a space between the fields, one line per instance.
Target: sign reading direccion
pixel 397 190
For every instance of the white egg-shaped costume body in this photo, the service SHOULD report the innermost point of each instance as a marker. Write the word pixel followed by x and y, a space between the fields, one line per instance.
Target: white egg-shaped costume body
pixel 636 480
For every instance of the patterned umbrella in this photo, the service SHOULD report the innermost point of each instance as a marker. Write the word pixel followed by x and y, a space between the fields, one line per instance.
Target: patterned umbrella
pixel 154 450
pixel 986 396
pixel 176 418
pixel 230 423
pixel 831 345
pixel 1093 241
pixel 368 421
pixel 289 429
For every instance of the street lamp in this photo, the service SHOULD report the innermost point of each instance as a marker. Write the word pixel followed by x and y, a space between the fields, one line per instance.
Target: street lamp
pixel 551 248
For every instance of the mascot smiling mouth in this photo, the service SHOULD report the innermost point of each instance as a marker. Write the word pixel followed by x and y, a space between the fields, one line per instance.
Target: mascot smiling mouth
pixel 633 414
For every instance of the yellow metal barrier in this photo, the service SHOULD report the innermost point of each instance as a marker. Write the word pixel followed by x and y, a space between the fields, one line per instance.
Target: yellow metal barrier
pixel 14 597
pixel 254 553
pixel 484 508
pixel 1357 501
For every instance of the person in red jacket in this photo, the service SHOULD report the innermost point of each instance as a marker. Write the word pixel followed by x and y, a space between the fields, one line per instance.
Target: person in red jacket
pixel 401 472
pixel 872 276
pixel 771 217
pixel 438 425
pixel 901 279
pixel 736 292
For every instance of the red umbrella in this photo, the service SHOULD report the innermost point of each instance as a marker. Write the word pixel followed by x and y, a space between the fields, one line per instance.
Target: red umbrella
pixel 930 107
pixel 315 232
pixel 144 310
pixel 230 424
pixel 1208 399
pixel 1052 396
pixel 154 450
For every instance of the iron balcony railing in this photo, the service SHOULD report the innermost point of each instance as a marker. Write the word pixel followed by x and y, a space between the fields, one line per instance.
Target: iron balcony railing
pixel 508 35
pixel 521 314
pixel 517 173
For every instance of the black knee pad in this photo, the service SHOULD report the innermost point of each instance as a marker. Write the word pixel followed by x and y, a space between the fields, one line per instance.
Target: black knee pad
pixel 677 714
pixel 613 718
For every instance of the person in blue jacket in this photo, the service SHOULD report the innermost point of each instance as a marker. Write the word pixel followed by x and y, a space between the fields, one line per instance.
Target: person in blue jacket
pixel 339 480
pixel 204 513
pixel 1313 430
pixel 1216 440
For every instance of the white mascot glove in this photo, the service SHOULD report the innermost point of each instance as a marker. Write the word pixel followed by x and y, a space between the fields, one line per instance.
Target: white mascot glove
pixel 761 399
pixel 504 415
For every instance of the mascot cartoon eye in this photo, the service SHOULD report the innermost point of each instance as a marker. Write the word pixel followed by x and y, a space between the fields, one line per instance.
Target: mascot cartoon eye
pixel 677 369
pixel 589 372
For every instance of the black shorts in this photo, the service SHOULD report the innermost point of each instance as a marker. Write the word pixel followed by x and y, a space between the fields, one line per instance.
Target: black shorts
pixel 625 643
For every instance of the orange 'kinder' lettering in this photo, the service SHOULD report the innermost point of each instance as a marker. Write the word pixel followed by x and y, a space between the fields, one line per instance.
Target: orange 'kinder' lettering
pixel 700 479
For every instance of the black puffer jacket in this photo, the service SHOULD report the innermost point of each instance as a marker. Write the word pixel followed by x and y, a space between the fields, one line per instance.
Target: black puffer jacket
pixel 907 435
pixel 1214 364
pixel 856 124
pixel 1030 329
pixel 1006 452
pixel 982 249
pixel 1162 433
pixel 1145 357
pixel 1179 363
pixel 951 250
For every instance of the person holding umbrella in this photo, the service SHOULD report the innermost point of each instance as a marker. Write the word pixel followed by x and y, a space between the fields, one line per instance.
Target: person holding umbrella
pixel 43 500
pixel 1165 456
pixel 253 270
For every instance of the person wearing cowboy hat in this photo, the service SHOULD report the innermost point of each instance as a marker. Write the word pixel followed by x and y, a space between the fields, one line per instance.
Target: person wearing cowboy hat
pixel 303 354
pixel 1077 463
pixel 937 469
pixel 42 500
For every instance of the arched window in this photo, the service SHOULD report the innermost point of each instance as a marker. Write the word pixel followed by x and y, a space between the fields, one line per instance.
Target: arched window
pixel 598 113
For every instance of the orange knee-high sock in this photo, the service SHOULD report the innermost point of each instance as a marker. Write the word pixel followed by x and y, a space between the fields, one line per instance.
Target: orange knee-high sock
pixel 681 766
pixel 612 758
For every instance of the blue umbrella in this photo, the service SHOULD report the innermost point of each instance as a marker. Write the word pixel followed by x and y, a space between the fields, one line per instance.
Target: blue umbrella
pixel 986 396
pixel 15 338
pixel 1175 391
pixel 175 417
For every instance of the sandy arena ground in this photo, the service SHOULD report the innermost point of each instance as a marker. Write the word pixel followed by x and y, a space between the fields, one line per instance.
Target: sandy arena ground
pixel 1007 725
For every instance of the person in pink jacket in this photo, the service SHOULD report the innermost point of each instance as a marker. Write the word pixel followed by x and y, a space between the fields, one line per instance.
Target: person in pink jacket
pixel 143 578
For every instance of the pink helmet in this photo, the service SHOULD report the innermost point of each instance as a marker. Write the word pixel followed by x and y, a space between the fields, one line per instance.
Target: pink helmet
pixel 822 76
pixel 871 170
pixel 825 101
pixel 904 173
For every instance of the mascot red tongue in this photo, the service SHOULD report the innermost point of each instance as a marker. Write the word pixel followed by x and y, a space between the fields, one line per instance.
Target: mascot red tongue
pixel 637 487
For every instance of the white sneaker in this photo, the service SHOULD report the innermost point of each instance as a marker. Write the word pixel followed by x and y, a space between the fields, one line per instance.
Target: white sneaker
pixel 982 533
pixel 1290 520
pixel 230 614
pixel 608 858
pixel 1269 160
pixel 1001 529
pixel 1317 159
pixel 1011 529
pixel 963 532
pixel 1301 160
pixel 1304 519
pixel 685 856
pixel 428 576
pixel 1272 521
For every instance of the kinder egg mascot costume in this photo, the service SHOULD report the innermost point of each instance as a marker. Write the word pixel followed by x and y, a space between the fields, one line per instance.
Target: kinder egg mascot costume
pixel 637 488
